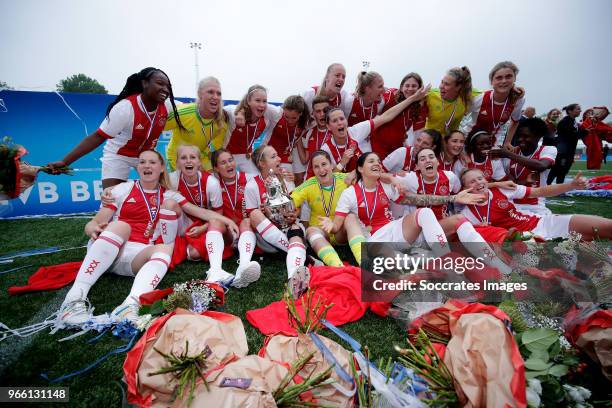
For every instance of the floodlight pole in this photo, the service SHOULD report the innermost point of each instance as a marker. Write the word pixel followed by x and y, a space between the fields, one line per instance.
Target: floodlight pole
pixel 196 46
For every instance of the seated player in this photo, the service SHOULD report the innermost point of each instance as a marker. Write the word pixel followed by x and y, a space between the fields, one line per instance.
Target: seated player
pixel 122 240
pixel 499 210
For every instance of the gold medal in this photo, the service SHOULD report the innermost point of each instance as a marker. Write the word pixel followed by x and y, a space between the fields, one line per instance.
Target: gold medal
pixel 248 156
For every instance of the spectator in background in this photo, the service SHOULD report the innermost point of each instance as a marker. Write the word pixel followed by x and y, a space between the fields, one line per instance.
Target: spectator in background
pixel 568 132
pixel 606 150
pixel 552 118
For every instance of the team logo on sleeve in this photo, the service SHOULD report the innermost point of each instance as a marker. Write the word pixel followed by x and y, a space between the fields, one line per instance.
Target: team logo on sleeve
pixel 503 204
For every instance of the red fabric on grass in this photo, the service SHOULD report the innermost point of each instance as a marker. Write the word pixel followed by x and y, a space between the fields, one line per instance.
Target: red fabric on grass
pixel 49 277
pixel 338 285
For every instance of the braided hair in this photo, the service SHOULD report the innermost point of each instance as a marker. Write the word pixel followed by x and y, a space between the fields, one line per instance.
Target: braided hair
pixel 133 85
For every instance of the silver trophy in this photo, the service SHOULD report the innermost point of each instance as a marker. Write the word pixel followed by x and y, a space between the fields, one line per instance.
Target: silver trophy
pixel 278 201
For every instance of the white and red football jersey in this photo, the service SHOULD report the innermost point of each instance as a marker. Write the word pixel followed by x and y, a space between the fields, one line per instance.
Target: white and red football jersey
pixel 255 193
pixel 140 208
pixel 341 100
pixel 314 139
pixel 371 207
pixel 284 139
pixel 234 203
pixel 402 158
pixel 206 193
pixel 446 183
pixel 493 170
pixel 130 129
pixel 241 140
pixel 359 112
pixel 529 178
pixel 501 212
pixel 490 116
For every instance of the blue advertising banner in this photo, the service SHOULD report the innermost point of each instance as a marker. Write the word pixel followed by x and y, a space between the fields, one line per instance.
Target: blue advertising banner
pixel 49 125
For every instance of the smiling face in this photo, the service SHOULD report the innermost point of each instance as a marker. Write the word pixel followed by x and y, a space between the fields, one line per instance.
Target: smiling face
pixel 291 116
pixel 449 89
pixel 503 80
pixel 455 144
pixel 337 123
pixel 375 90
pixel 209 99
pixel 149 167
pixel 334 80
pixel 409 87
pixel 318 111
pixel 322 168
pixel 553 115
pixel 226 166
pixel 258 101
pixel 371 169
pixel 156 88
pixel 427 163
pixel 527 141
pixel 482 144
pixel 188 160
pixel 476 181
pixel 270 160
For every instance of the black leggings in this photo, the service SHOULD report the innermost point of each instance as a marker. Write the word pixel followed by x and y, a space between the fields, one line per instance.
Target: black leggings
pixel 563 164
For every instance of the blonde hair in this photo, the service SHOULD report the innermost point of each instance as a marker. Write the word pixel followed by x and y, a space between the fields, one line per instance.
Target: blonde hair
pixel 514 96
pixel 463 78
pixel 321 89
pixel 244 102
pixel 220 116
pixel 365 79
pixel 258 156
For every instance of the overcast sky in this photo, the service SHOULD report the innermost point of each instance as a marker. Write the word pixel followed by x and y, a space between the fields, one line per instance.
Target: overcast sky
pixel 561 47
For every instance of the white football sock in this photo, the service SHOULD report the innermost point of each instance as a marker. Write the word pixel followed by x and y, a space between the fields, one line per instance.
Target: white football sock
pixel 149 276
pixel 214 248
pixel 478 247
pixel 100 256
pixel 273 235
pixel 296 255
pixel 168 223
pixel 433 232
pixel 246 246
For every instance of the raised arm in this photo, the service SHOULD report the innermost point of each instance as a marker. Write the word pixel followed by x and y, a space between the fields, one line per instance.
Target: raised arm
pixel 423 200
pixel 531 164
pixel 397 109
pixel 578 183
pixel 85 146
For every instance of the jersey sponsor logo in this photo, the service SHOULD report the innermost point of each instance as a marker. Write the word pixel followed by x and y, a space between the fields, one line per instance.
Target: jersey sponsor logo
pixel 503 204
pixel 139 127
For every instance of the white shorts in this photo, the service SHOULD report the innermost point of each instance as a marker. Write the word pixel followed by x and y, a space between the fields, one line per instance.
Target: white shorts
pixel 297 165
pixel 116 166
pixel 533 209
pixel 122 265
pixel 553 226
pixel 245 165
pixel 394 232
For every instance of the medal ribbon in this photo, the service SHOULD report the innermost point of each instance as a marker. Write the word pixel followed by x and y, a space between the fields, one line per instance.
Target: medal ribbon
pixel 448 122
pixel 211 131
pixel 423 184
pixel 152 217
pixel 485 220
pixel 369 214
pixel 151 121
pixel 499 123
pixel 200 201
pixel 327 208
pixel 232 203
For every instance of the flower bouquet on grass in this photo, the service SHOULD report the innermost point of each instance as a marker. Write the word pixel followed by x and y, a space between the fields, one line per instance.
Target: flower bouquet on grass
pixel 16 175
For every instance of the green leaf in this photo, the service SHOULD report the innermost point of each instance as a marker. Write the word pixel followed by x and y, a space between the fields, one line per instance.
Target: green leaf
pixel 558 370
pixel 540 355
pixel 533 374
pixel 555 349
pixel 535 364
pixel 571 360
pixel 144 309
pixel 157 308
pixel 539 339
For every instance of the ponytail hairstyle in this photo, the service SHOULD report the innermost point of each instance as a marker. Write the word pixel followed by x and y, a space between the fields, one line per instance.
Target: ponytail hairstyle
pixel 514 96
pixel 463 78
pixel 360 161
pixel 244 102
pixel 133 86
pixel 436 140
pixel 298 104
pixel 214 156
pixel 414 108
pixel 470 143
pixel 365 79
pixel 258 156
pixel 163 177
pixel 221 115
pixel 570 107
pixel 321 88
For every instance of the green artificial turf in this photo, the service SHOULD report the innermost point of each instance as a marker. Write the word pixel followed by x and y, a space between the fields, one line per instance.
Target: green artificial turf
pixel 23 360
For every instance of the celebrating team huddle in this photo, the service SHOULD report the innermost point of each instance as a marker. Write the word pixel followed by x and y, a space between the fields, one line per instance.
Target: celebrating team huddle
pixel 329 167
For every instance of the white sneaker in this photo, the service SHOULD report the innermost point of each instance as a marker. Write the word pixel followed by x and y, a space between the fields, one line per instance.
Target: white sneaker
pixel 299 281
pixel 75 313
pixel 126 311
pixel 219 276
pixel 247 275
